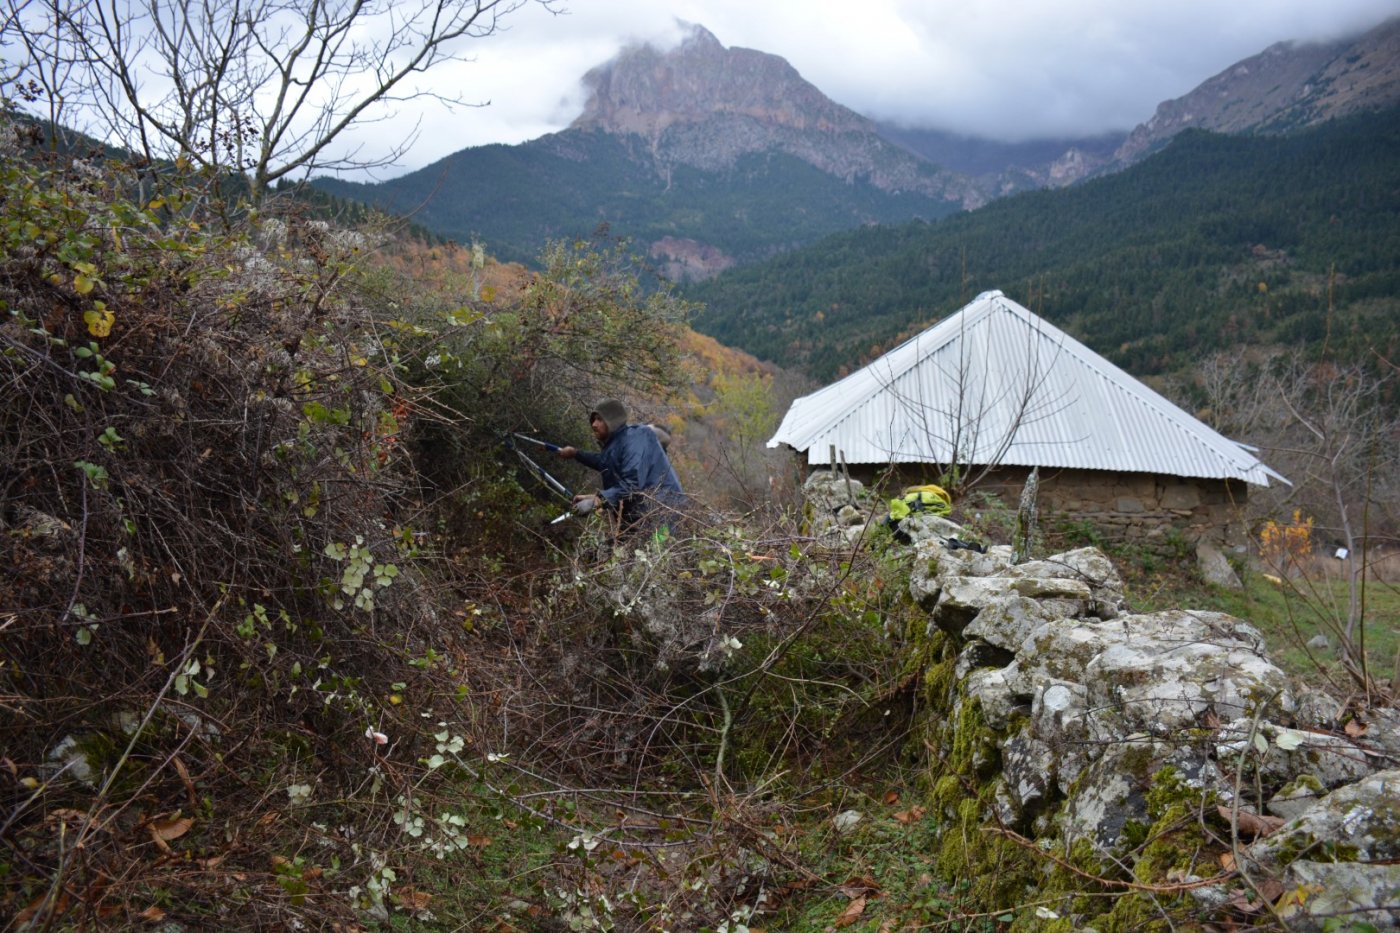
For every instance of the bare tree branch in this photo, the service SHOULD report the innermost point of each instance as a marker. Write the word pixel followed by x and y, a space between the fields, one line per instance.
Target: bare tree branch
pixel 262 88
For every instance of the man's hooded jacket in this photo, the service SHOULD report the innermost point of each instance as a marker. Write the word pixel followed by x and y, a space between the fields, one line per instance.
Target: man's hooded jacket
pixel 633 465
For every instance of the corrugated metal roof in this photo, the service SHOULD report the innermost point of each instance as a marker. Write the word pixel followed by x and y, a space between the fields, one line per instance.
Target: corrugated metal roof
pixel 994 383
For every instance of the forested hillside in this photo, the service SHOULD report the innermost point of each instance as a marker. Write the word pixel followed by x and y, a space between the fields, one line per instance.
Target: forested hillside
pixel 515 198
pixel 1215 241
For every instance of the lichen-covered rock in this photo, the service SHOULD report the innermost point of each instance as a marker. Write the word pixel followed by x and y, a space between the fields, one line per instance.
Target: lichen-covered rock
pixel 1360 893
pixel 1167 669
pixel 1382 735
pixel 1215 567
pixel 1087 565
pixel 938 560
pixel 835 502
pixel 991 688
pixel 926 527
pixel 1028 768
pixel 1112 792
pixel 1296 797
pixel 1319 710
pixel 1278 754
pixel 1060 716
pixel 1356 823
pixel 960 599
pixel 1007 622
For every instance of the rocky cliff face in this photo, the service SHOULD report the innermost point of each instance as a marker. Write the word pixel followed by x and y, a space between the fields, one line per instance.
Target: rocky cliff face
pixel 704 105
pixel 1287 86
pixel 646 91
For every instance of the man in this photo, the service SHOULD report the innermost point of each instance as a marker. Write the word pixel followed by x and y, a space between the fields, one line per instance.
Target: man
pixel 636 475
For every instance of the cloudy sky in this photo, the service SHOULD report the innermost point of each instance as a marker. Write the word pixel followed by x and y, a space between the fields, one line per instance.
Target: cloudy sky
pixel 1007 69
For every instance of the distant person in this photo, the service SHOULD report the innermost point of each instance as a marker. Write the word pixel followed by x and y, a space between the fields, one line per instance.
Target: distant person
pixel 638 480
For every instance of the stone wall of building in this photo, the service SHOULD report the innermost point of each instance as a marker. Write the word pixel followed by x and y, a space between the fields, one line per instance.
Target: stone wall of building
pixel 1137 507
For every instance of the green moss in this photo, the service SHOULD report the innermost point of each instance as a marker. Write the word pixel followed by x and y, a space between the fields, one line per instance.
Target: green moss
pixel 1298 845
pixel 962 781
pixel 1303 782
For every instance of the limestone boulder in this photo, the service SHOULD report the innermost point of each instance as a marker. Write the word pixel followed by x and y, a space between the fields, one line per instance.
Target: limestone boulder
pixel 1276 754
pixel 925 527
pixel 962 562
pixel 1089 566
pixel 992 689
pixel 1170 668
pixel 835 503
pixel 1367 894
pixel 1215 568
pixel 1359 822
pixel 1008 621
pixel 1382 734
pixel 1028 769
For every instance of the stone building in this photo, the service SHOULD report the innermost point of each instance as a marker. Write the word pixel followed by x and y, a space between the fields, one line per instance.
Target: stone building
pixel 994 391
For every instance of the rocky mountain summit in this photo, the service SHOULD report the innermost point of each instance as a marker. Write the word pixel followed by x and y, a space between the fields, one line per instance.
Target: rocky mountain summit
pixel 710 156
pixel 704 105
pixel 1287 86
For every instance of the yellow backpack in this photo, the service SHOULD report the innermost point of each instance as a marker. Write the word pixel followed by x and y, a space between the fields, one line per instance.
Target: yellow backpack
pixel 928 498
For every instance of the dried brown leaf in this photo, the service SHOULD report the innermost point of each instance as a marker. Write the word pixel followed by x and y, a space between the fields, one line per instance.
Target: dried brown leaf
pixel 860 886
pixel 478 842
pixel 152 914
pixel 413 899
pixel 912 815
pixel 1355 728
pixel 1251 824
pixel 1244 903
pixel 1227 861
pixel 61 903
pixel 891 797
pixel 851 914
pixel 185 776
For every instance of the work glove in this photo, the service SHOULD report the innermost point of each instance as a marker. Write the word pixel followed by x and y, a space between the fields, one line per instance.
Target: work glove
pixel 585 504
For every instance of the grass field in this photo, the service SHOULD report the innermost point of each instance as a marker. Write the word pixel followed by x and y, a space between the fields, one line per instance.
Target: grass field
pixel 1290 610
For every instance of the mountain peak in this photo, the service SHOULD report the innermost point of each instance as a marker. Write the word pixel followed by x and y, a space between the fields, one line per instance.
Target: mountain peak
pixel 645 90
pixel 1287 86
pixel 698 37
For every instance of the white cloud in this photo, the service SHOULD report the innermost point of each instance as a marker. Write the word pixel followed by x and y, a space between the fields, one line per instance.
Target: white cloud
pixel 1010 69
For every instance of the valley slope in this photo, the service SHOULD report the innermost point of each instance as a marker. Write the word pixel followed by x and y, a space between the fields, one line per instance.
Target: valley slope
pixel 1215 241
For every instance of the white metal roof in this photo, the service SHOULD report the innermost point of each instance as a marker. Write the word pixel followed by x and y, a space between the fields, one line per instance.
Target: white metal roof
pixel 993 384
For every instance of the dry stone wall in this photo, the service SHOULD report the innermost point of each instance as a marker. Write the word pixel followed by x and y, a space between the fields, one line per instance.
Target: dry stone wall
pixel 1164 748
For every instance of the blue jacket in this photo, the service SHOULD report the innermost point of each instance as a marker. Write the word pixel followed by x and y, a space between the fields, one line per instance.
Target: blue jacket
pixel 634 470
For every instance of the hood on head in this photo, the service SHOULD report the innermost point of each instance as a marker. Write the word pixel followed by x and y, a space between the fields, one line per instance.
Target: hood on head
pixel 613 413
